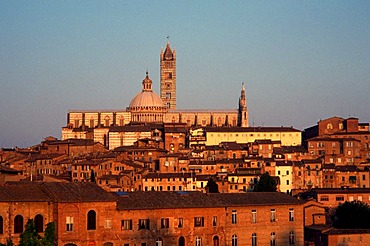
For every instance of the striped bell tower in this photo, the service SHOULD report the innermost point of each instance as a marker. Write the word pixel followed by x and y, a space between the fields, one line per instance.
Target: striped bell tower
pixel 168 76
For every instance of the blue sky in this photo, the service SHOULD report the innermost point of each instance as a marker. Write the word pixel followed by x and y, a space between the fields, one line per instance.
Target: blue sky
pixel 301 61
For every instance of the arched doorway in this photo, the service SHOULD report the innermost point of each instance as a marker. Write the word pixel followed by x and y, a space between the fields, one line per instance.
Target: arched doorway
pixel 216 241
pixel 181 241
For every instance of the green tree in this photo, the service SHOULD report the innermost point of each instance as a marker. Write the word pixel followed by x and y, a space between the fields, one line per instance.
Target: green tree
pixel 265 184
pixel 29 237
pixel 352 215
pixel 212 186
pixel 49 238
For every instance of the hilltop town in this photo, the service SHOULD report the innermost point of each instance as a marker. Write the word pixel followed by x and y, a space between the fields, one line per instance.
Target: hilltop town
pixel 142 175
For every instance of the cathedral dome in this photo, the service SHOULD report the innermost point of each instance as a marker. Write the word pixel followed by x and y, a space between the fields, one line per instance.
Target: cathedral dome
pixel 146 99
pixel 147 106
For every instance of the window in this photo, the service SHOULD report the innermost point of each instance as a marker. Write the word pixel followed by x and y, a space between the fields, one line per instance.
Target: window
pixel 18 224
pixel 234 240
pixel 91 220
pixel 339 198
pixel 214 221
pixel 165 223
pixel 69 223
pixel 198 241
pixel 324 198
pixel 273 239
pixel 158 242
pixel 198 221
pixel 39 223
pixel 180 223
pixel 126 225
pixel 273 215
pixel 233 217
pixel 291 238
pixel 1 225
pixel 144 224
pixel 291 214
pixel 254 239
pixel 108 223
pixel 254 216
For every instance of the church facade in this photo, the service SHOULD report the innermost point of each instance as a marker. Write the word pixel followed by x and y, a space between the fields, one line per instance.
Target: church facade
pixel 148 108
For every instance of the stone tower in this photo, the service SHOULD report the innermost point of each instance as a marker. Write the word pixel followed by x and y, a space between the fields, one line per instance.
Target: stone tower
pixel 168 77
pixel 243 110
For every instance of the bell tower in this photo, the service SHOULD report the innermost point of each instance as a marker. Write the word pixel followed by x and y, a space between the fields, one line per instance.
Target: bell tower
pixel 168 76
pixel 243 110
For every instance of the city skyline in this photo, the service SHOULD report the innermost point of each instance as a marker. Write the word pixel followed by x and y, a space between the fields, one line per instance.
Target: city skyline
pixel 300 62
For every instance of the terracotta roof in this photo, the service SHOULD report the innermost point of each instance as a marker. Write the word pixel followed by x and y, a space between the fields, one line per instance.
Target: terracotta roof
pixel 168 175
pixel 5 169
pixel 290 149
pixel 334 231
pixel 24 192
pixel 78 192
pixel 340 190
pixel 183 199
pixel 351 168
pixel 54 191
pixel 110 177
pixel 89 162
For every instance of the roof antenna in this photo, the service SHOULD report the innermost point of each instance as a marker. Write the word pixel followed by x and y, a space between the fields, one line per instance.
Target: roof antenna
pixel 168 39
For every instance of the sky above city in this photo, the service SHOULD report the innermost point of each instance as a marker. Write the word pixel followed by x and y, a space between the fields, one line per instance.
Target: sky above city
pixel 300 61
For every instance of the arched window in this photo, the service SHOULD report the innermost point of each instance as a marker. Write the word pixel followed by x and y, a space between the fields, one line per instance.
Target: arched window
pixel 234 240
pixel 91 220
pixel 121 121
pixel 254 239
pixel 1 225
pixel 273 239
pixel 291 238
pixel 198 241
pixel 70 244
pixel 216 241
pixel 92 122
pixel 108 244
pixel 18 224
pixel 181 241
pixel 158 242
pixel 39 223
pixel 106 121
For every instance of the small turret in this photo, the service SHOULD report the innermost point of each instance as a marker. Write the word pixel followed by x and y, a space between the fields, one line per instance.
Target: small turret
pixel 243 110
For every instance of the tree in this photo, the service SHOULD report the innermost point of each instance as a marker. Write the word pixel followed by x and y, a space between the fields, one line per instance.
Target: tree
pixel 265 184
pixel 212 186
pixel 29 237
pixel 49 238
pixel 352 215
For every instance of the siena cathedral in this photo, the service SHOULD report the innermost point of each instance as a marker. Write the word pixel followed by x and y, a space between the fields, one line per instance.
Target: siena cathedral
pixel 148 111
